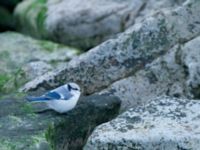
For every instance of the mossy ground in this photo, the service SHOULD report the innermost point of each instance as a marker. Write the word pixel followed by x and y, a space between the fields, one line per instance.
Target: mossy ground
pixel 10 82
pixel 21 127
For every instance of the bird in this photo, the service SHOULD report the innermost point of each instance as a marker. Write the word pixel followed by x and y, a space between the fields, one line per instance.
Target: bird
pixel 61 99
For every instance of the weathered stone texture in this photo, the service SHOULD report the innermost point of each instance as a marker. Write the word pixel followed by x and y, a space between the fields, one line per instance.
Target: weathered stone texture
pixel 165 123
pixel 129 52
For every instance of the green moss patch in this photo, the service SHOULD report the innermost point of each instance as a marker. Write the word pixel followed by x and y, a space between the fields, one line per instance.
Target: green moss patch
pixel 33 14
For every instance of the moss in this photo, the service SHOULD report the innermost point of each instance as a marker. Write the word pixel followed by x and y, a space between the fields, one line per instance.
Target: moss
pixel 49 46
pixel 10 83
pixel 27 108
pixel 33 14
pixel 41 16
pixel 7 145
pixel 20 95
pixel 41 21
pixel 37 139
pixel 49 135
pixel 24 142
pixel 4 78
pixel 4 55
pixel 14 120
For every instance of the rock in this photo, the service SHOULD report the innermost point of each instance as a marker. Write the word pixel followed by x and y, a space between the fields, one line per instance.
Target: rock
pixel 164 76
pixel 30 16
pixel 35 69
pixel 90 23
pixel 19 55
pixel 21 128
pixel 174 74
pixel 190 60
pixel 151 6
pixel 82 26
pixel 165 123
pixel 79 124
pixel 131 51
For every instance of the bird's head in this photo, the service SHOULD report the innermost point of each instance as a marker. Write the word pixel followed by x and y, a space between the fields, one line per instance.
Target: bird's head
pixel 74 88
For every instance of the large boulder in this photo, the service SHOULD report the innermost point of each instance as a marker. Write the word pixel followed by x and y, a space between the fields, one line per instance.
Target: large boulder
pixel 22 128
pixel 131 51
pixel 189 56
pixel 79 23
pixel 164 76
pixel 165 123
pixel 23 59
pixel 84 25
pixel 174 74
pixel 151 6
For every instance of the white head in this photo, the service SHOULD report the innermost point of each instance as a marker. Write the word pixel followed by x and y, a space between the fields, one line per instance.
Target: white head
pixel 73 88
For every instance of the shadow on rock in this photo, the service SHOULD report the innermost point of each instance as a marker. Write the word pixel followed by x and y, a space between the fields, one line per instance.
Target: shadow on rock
pixel 77 125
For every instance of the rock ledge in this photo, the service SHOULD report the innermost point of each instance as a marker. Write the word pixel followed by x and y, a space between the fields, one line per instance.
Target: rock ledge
pixel 165 123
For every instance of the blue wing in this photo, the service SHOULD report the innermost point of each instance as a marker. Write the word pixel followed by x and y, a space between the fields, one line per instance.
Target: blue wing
pixel 63 92
pixel 52 95
pixel 60 93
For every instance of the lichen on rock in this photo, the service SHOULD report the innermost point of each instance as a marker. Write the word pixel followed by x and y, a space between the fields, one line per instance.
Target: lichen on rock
pixel 165 123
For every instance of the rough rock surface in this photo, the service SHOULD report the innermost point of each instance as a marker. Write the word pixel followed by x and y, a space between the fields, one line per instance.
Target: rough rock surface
pixel 89 24
pixel 165 123
pixel 80 123
pixel 23 58
pixel 121 57
pixel 35 69
pixel 151 6
pixel 164 76
pixel 82 26
pixel 22 129
pixel 190 60
pixel 174 74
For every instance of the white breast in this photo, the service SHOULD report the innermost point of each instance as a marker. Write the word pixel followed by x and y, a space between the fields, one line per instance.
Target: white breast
pixel 62 106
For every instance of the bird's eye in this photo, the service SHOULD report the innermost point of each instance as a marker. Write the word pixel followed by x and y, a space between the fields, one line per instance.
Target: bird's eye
pixel 69 87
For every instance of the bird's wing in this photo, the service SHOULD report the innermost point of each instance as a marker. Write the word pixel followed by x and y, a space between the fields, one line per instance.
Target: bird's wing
pixel 46 97
pixel 37 99
pixel 52 95
pixel 62 92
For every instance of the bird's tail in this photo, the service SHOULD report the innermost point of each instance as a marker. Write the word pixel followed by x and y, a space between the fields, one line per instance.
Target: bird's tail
pixel 36 99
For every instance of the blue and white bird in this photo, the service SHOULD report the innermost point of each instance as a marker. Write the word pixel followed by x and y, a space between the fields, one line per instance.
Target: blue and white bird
pixel 61 99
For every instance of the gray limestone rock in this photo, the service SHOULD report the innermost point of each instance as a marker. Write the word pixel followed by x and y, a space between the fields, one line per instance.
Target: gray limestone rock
pixel 151 6
pixel 35 69
pixel 79 23
pixel 165 123
pixel 174 74
pixel 131 51
pixel 86 23
pixel 190 59
pixel 164 76
pixel 23 59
